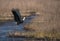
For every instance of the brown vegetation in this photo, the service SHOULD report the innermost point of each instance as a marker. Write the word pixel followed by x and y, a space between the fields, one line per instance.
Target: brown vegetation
pixel 37 35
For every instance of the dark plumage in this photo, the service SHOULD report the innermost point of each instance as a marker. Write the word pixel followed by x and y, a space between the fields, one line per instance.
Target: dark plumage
pixel 17 16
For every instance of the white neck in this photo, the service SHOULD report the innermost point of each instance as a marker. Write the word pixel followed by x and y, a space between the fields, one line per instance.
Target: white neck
pixel 24 18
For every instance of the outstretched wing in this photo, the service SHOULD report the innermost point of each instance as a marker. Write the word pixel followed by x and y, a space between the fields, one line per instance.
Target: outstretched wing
pixel 17 16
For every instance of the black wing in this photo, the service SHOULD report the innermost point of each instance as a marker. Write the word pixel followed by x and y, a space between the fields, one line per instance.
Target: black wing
pixel 17 16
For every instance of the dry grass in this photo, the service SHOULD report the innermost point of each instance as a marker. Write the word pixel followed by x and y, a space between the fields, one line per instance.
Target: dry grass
pixel 37 35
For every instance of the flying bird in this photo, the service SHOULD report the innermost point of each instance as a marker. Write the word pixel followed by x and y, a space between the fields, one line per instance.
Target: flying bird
pixel 17 16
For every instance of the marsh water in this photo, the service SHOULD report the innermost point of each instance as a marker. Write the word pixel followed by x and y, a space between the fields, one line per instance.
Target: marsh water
pixel 10 26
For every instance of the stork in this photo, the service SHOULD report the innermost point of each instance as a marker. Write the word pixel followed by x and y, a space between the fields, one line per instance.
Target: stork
pixel 17 16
